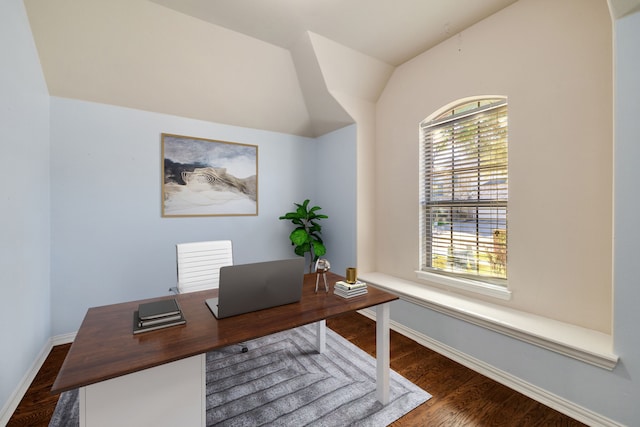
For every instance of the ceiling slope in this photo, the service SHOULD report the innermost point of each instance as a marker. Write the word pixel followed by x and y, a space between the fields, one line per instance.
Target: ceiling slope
pixel 392 31
pixel 265 64
pixel 621 8
pixel 137 54
pixel 325 112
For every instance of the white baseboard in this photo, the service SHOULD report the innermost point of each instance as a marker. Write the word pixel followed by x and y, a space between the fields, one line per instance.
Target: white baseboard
pixel 13 402
pixel 536 393
pixel 64 338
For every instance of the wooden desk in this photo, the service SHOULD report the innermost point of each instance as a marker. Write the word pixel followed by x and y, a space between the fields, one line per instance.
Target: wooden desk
pixel 107 361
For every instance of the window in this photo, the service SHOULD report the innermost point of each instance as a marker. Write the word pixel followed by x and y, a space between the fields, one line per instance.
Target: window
pixel 464 192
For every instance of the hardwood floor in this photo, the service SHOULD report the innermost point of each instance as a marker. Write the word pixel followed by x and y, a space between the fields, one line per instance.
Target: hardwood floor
pixel 37 405
pixel 461 397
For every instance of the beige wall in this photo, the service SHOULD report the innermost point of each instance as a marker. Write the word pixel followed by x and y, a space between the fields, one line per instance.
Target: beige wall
pixel 553 60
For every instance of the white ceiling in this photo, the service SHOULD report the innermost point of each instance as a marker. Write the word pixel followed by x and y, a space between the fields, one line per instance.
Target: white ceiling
pixel 392 31
pixel 266 64
pixel 250 63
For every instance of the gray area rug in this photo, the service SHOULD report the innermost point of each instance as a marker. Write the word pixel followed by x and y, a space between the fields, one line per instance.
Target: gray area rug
pixel 283 381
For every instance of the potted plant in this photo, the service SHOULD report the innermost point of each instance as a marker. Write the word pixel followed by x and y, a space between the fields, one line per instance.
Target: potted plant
pixel 306 236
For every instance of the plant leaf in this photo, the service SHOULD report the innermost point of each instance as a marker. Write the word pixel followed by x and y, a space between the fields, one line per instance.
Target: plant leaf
pixel 301 212
pixel 319 249
pixel 299 236
pixel 289 215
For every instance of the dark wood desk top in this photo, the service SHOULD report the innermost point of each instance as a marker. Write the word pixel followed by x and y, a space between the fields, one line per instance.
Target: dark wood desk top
pixel 105 346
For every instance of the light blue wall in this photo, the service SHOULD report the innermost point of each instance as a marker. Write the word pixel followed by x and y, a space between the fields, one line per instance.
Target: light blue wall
pixel 25 323
pixel 626 378
pixel 109 242
pixel 336 189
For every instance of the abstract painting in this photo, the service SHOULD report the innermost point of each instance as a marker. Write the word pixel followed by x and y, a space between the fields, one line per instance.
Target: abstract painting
pixel 205 177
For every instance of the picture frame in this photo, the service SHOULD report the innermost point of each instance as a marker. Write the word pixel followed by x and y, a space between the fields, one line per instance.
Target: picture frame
pixel 208 177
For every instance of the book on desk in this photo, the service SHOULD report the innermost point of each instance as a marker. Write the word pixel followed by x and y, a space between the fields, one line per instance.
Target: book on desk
pixel 157 315
pixel 349 290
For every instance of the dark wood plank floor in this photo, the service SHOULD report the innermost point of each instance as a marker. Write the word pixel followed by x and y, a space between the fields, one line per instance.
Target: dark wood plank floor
pixel 461 397
pixel 37 405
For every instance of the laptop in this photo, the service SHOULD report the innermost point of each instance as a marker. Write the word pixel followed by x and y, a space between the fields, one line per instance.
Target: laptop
pixel 245 288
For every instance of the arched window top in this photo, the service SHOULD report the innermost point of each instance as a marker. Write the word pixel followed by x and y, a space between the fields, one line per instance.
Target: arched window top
pixel 461 108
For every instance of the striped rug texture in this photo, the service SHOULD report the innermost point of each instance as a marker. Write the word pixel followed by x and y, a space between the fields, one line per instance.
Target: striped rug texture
pixel 283 381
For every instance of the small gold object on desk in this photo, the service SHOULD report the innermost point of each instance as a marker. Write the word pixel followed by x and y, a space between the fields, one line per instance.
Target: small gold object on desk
pixel 322 266
pixel 352 275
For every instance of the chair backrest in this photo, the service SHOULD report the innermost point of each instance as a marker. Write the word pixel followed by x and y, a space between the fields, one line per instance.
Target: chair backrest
pixel 199 264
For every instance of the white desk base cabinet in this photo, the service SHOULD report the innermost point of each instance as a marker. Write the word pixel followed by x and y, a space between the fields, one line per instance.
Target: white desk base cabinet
pixel 173 394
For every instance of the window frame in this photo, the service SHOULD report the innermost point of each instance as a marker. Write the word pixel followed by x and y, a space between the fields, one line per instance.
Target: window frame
pixel 462 111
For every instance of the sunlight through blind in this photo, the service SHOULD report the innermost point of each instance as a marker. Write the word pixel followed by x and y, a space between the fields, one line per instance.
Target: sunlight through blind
pixel 465 191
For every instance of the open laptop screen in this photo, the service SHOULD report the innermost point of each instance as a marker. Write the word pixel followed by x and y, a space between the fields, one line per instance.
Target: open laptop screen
pixel 250 287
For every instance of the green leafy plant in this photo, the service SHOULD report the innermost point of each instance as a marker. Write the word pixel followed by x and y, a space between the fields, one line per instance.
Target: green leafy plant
pixel 306 236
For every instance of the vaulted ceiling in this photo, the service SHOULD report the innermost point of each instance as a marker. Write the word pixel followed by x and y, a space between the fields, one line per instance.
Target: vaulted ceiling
pixel 392 31
pixel 251 63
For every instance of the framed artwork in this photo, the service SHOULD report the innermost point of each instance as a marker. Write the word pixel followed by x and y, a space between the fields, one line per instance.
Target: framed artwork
pixel 205 177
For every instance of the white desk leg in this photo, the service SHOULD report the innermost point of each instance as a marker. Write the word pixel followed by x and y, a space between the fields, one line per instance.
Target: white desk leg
pixel 82 412
pixel 321 336
pixel 382 353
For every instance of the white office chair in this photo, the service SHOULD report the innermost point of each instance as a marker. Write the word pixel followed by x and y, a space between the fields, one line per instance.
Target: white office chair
pixel 198 266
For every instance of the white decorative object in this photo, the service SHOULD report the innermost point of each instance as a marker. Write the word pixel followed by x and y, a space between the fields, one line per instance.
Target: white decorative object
pixel 322 266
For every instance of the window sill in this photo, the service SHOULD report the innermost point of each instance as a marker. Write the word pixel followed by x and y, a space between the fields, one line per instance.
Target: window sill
pixel 475 286
pixel 583 344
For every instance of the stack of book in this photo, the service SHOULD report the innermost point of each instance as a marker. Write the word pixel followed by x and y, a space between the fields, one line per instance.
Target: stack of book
pixel 157 315
pixel 350 290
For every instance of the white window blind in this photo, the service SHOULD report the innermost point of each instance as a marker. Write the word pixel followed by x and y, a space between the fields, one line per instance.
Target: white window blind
pixel 465 191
